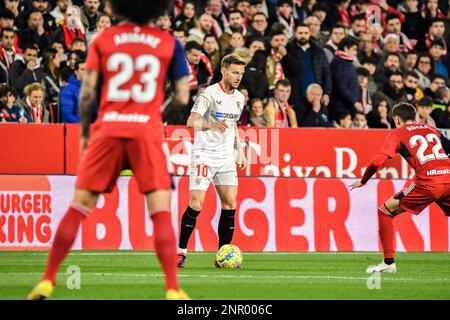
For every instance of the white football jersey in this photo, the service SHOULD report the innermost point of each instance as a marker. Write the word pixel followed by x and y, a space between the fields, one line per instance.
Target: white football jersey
pixel 216 105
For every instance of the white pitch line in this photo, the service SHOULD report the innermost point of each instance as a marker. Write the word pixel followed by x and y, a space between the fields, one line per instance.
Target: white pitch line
pixel 38 253
pixel 160 275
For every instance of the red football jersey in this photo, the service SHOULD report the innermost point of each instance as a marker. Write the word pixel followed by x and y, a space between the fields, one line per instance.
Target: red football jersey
pixel 422 147
pixel 133 62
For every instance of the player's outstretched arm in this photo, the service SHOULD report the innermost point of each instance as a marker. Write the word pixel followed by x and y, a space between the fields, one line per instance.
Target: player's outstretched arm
pixel 376 163
pixel 88 94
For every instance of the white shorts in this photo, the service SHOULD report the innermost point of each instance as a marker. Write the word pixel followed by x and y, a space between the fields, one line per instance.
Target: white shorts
pixel 201 175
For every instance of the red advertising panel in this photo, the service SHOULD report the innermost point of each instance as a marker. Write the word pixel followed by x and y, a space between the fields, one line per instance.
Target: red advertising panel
pixel 32 149
pixel 273 214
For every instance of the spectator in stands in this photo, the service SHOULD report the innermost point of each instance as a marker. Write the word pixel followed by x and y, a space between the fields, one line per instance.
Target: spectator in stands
pixel 255 79
pixel 316 35
pixel 58 46
pixel 103 22
pixel 255 44
pixel 186 20
pixel 412 89
pixel 364 94
pixel 236 24
pixel 437 49
pixel 212 51
pixel 337 34
pixel 437 81
pixel 366 48
pixel 236 42
pixel 70 28
pixel 33 103
pixel 204 27
pixel 343 119
pixel 346 94
pixel 35 31
pixel 424 69
pixel 78 44
pixel 60 10
pixel 424 109
pixel 16 7
pixel 411 60
pixel 390 64
pixel 279 59
pixel 394 26
pixel 215 8
pixel 181 34
pixel 394 90
pixel 89 15
pixel 200 68
pixel 440 103
pixel 26 70
pixel 444 119
pixel 257 118
pixel 278 113
pixel 70 95
pixel 285 16
pixel 360 121
pixel 314 114
pixel 52 75
pixel 358 25
pixel 259 25
pixel 243 6
pixel 415 25
pixel 44 7
pixel 379 116
pixel 9 112
pixel 314 65
pixel 370 64
pixel 7 54
pixel 436 32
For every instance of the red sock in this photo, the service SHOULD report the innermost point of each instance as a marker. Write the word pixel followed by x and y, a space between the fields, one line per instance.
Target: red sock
pixel 166 248
pixel 63 241
pixel 386 231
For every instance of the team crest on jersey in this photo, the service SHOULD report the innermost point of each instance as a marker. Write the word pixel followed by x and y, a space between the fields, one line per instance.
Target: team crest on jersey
pixel 198 181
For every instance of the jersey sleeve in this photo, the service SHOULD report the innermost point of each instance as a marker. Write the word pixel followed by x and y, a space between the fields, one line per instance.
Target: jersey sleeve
pixel 93 58
pixel 178 66
pixel 202 104
pixel 391 146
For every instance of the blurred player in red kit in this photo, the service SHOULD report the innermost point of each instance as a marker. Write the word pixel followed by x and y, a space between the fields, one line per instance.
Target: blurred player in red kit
pixel 134 59
pixel 426 150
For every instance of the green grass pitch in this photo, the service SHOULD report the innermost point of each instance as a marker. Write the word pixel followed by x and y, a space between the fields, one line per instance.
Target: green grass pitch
pixel 266 276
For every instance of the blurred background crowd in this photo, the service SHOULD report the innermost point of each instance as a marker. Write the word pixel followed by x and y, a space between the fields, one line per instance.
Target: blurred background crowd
pixel 311 63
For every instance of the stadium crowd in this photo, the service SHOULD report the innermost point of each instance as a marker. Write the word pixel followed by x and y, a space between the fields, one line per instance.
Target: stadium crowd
pixel 311 63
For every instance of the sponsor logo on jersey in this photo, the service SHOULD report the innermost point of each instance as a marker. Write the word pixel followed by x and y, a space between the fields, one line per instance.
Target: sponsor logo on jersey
pixel 114 116
pixel 436 172
pixel 224 115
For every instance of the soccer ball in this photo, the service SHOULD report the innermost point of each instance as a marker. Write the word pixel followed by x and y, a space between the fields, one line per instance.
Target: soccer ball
pixel 229 256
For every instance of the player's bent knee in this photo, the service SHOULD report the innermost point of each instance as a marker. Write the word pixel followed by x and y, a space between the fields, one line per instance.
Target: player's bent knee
pixel 85 198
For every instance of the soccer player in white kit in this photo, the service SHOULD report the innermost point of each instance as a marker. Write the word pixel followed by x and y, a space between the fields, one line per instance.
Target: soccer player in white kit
pixel 217 152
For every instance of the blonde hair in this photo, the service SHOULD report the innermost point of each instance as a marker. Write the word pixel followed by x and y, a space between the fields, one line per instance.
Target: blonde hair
pixel 34 87
pixel 230 59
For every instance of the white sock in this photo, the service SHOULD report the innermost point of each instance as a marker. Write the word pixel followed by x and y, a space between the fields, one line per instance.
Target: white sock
pixel 183 251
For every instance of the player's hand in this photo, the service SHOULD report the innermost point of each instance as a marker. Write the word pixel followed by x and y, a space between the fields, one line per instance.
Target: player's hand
pixel 355 185
pixel 84 142
pixel 241 162
pixel 326 100
pixel 220 126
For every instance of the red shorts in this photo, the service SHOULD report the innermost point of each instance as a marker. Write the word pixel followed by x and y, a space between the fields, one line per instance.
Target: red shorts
pixel 417 197
pixel 106 157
